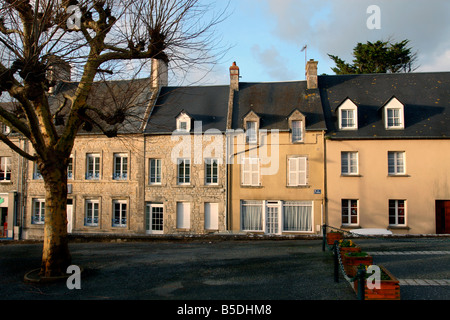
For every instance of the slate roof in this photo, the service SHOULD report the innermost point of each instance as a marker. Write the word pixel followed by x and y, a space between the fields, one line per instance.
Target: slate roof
pixel 274 102
pixel 425 96
pixel 208 104
pixel 133 96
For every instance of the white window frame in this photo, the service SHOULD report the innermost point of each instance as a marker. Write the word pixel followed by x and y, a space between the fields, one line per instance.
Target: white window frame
pixel 260 223
pixel 95 159
pixel 70 166
pixel 211 165
pixel 38 211
pixel 149 218
pixel 121 166
pixel 184 165
pixel 396 212
pixel 348 204
pixel 92 213
pixel 308 204
pixel 248 172
pixel 352 160
pixel 252 132
pixel 393 106
pixel 394 167
pixel 36 172
pixel 297 168
pixel 183 215
pixel 155 173
pixel 348 106
pixel 297 131
pixel 211 216
pixel 5 169
pixel 122 205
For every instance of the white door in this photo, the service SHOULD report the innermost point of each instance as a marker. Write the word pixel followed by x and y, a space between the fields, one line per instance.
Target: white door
pixel 273 221
pixel 69 218
pixel 155 218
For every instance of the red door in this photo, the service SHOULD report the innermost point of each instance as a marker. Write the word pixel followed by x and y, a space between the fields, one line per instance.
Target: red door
pixel 442 217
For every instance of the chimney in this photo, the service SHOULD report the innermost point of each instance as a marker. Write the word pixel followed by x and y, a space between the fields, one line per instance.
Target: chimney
pixel 160 73
pixel 311 74
pixel 57 70
pixel 234 77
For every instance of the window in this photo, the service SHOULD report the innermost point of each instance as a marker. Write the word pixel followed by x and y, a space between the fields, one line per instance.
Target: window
pixel 154 218
pixel 349 212
pixel 91 213
pixel 297 131
pixel 120 166
pixel 93 166
pixel 183 215
pixel 119 213
pixel 396 163
pixel 394 114
pixel 184 171
pixel 155 171
pixel 6 129
pixel 349 163
pixel 297 216
pixel 251 216
pixel 211 171
pixel 70 168
pixel 348 115
pixel 183 122
pixel 297 168
pixel 5 168
pixel 397 212
pixel 211 216
pixel 348 119
pixel 394 118
pixel 36 172
pixel 38 207
pixel 250 172
pixel 252 132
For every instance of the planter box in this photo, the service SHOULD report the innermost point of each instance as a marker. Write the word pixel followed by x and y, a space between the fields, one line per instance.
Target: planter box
pixel 333 236
pixel 344 250
pixel 389 289
pixel 350 262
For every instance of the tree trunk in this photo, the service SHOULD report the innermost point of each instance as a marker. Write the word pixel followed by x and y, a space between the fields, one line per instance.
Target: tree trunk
pixel 55 256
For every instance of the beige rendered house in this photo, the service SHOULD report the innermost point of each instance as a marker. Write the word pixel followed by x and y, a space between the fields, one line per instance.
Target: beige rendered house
pixel 276 156
pixel 388 151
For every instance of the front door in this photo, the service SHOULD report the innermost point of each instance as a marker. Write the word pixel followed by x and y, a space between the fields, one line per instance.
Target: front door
pixel 273 217
pixel 442 217
pixel 155 218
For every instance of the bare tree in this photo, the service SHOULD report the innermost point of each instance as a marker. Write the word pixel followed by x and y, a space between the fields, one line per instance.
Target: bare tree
pixel 98 38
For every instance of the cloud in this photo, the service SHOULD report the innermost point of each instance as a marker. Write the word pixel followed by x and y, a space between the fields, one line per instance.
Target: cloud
pixel 335 27
pixel 273 63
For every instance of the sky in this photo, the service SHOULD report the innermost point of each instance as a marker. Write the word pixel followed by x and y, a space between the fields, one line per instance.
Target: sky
pixel 266 36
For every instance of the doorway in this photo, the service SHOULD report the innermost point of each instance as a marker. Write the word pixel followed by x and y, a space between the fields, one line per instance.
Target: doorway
pixel 154 218
pixel 443 217
pixel 273 221
pixel 3 220
pixel 69 215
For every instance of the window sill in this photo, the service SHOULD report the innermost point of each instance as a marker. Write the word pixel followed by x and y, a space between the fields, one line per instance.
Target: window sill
pixel 251 187
pixel 351 175
pixel 299 187
pixel 398 175
pixel 350 226
pixel 6 182
pixel 398 227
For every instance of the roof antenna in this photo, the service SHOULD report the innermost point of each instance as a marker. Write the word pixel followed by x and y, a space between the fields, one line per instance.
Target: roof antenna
pixel 305 48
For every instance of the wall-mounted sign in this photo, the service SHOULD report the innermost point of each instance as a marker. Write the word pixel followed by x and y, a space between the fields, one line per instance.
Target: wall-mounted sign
pixel 317 191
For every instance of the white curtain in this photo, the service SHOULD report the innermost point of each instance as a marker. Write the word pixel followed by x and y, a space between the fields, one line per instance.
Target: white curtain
pixel 297 216
pixel 251 215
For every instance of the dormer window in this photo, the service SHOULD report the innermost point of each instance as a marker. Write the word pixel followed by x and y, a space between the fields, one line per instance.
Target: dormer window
pixel 297 126
pixel 348 115
pixel 251 125
pixel 252 136
pixel 183 122
pixel 394 114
